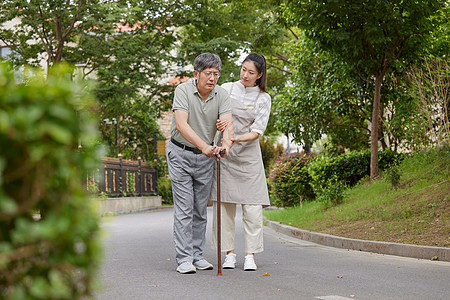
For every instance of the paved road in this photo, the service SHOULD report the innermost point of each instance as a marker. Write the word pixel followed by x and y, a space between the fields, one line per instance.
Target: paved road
pixel 139 264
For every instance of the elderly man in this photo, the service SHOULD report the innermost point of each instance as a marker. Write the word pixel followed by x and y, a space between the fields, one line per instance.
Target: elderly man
pixel 191 154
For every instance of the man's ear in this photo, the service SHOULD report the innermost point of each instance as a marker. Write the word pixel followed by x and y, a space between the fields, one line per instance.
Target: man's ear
pixel 196 73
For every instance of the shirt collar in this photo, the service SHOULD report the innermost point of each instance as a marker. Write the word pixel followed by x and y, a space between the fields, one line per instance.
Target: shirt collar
pixel 247 89
pixel 211 94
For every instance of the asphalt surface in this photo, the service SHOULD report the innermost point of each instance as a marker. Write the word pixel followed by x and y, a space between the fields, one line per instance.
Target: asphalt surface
pixel 139 263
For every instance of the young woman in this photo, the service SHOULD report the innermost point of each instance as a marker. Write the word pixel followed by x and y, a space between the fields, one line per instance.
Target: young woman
pixel 242 173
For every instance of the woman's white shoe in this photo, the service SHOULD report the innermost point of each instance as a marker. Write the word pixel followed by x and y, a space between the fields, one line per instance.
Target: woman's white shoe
pixel 230 261
pixel 249 264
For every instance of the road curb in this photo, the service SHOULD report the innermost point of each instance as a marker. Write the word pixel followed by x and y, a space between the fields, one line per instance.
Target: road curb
pixel 137 211
pixel 423 252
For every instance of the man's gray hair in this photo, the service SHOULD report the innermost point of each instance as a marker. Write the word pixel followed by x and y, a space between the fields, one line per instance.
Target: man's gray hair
pixel 207 60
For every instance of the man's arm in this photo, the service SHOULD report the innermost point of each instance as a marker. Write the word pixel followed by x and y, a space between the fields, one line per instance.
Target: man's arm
pixel 228 132
pixel 181 122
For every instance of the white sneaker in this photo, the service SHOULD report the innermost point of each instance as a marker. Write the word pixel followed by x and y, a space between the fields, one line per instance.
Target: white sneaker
pixel 186 267
pixel 230 261
pixel 249 264
pixel 203 264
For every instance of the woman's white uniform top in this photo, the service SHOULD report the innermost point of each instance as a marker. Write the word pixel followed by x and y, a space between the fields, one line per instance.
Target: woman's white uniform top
pixel 243 180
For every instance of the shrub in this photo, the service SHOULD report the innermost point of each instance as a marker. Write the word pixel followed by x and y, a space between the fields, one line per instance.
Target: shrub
pixel 392 175
pixel 289 180
pixel 388 158
pixel 41 170
pixel 331 175
pixel 349 167
pixel 269 151
pixel 331 193
pixel 165 189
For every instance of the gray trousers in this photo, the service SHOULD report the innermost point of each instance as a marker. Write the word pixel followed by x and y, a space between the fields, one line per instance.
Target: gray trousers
pixel 191 175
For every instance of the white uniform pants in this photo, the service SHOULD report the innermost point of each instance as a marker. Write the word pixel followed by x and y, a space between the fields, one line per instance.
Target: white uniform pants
pixel 252 218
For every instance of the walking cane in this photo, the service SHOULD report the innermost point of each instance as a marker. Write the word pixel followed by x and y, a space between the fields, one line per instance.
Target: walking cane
pixel 219 259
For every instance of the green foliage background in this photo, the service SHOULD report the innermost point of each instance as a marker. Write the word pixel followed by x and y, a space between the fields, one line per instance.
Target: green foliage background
pixel 299 177
pixel 123 45
pixel 375 40
pixel 42 122
pixel 289 180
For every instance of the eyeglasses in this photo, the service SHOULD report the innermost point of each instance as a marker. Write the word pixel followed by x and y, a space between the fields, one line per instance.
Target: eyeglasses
pixel 209 73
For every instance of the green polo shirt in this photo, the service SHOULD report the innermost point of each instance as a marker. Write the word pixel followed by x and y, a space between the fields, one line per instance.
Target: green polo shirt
pixel 203 114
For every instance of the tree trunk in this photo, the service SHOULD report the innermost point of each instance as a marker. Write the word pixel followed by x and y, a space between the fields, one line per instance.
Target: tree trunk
pixel 374 128
pixel 60 40
pixel 307 147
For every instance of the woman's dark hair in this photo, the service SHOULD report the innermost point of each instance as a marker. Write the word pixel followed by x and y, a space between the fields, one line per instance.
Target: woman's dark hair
pixel 260 63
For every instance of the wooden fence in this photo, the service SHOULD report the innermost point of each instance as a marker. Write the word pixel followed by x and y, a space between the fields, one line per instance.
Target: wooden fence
pixel 120 177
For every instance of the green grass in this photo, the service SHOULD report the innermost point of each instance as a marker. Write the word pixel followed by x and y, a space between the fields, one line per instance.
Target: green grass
pixel 306 216
pixel 417 212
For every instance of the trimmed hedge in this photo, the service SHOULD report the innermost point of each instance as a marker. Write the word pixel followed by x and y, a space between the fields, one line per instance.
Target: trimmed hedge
pixel 348 168
pixel 49 227
pixel 324 178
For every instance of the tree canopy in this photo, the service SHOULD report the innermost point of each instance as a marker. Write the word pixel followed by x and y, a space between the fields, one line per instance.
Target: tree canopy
pixel 329 62
pixel 234 28
pixel 125 45
pixel 323 97
pixel 371 36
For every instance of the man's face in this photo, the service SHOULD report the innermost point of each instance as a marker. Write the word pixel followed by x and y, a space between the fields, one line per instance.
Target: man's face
pixel 207 79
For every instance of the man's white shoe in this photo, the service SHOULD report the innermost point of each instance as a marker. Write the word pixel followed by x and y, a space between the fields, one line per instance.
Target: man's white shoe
pixel 249 264
pixel 230 261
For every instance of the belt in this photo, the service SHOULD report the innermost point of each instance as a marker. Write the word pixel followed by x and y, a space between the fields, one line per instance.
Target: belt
pixel 195 150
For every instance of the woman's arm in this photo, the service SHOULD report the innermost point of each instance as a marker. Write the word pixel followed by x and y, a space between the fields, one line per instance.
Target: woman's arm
pixel 251 136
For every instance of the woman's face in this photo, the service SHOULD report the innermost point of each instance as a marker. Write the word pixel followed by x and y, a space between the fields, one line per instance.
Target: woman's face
pixel 249 74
